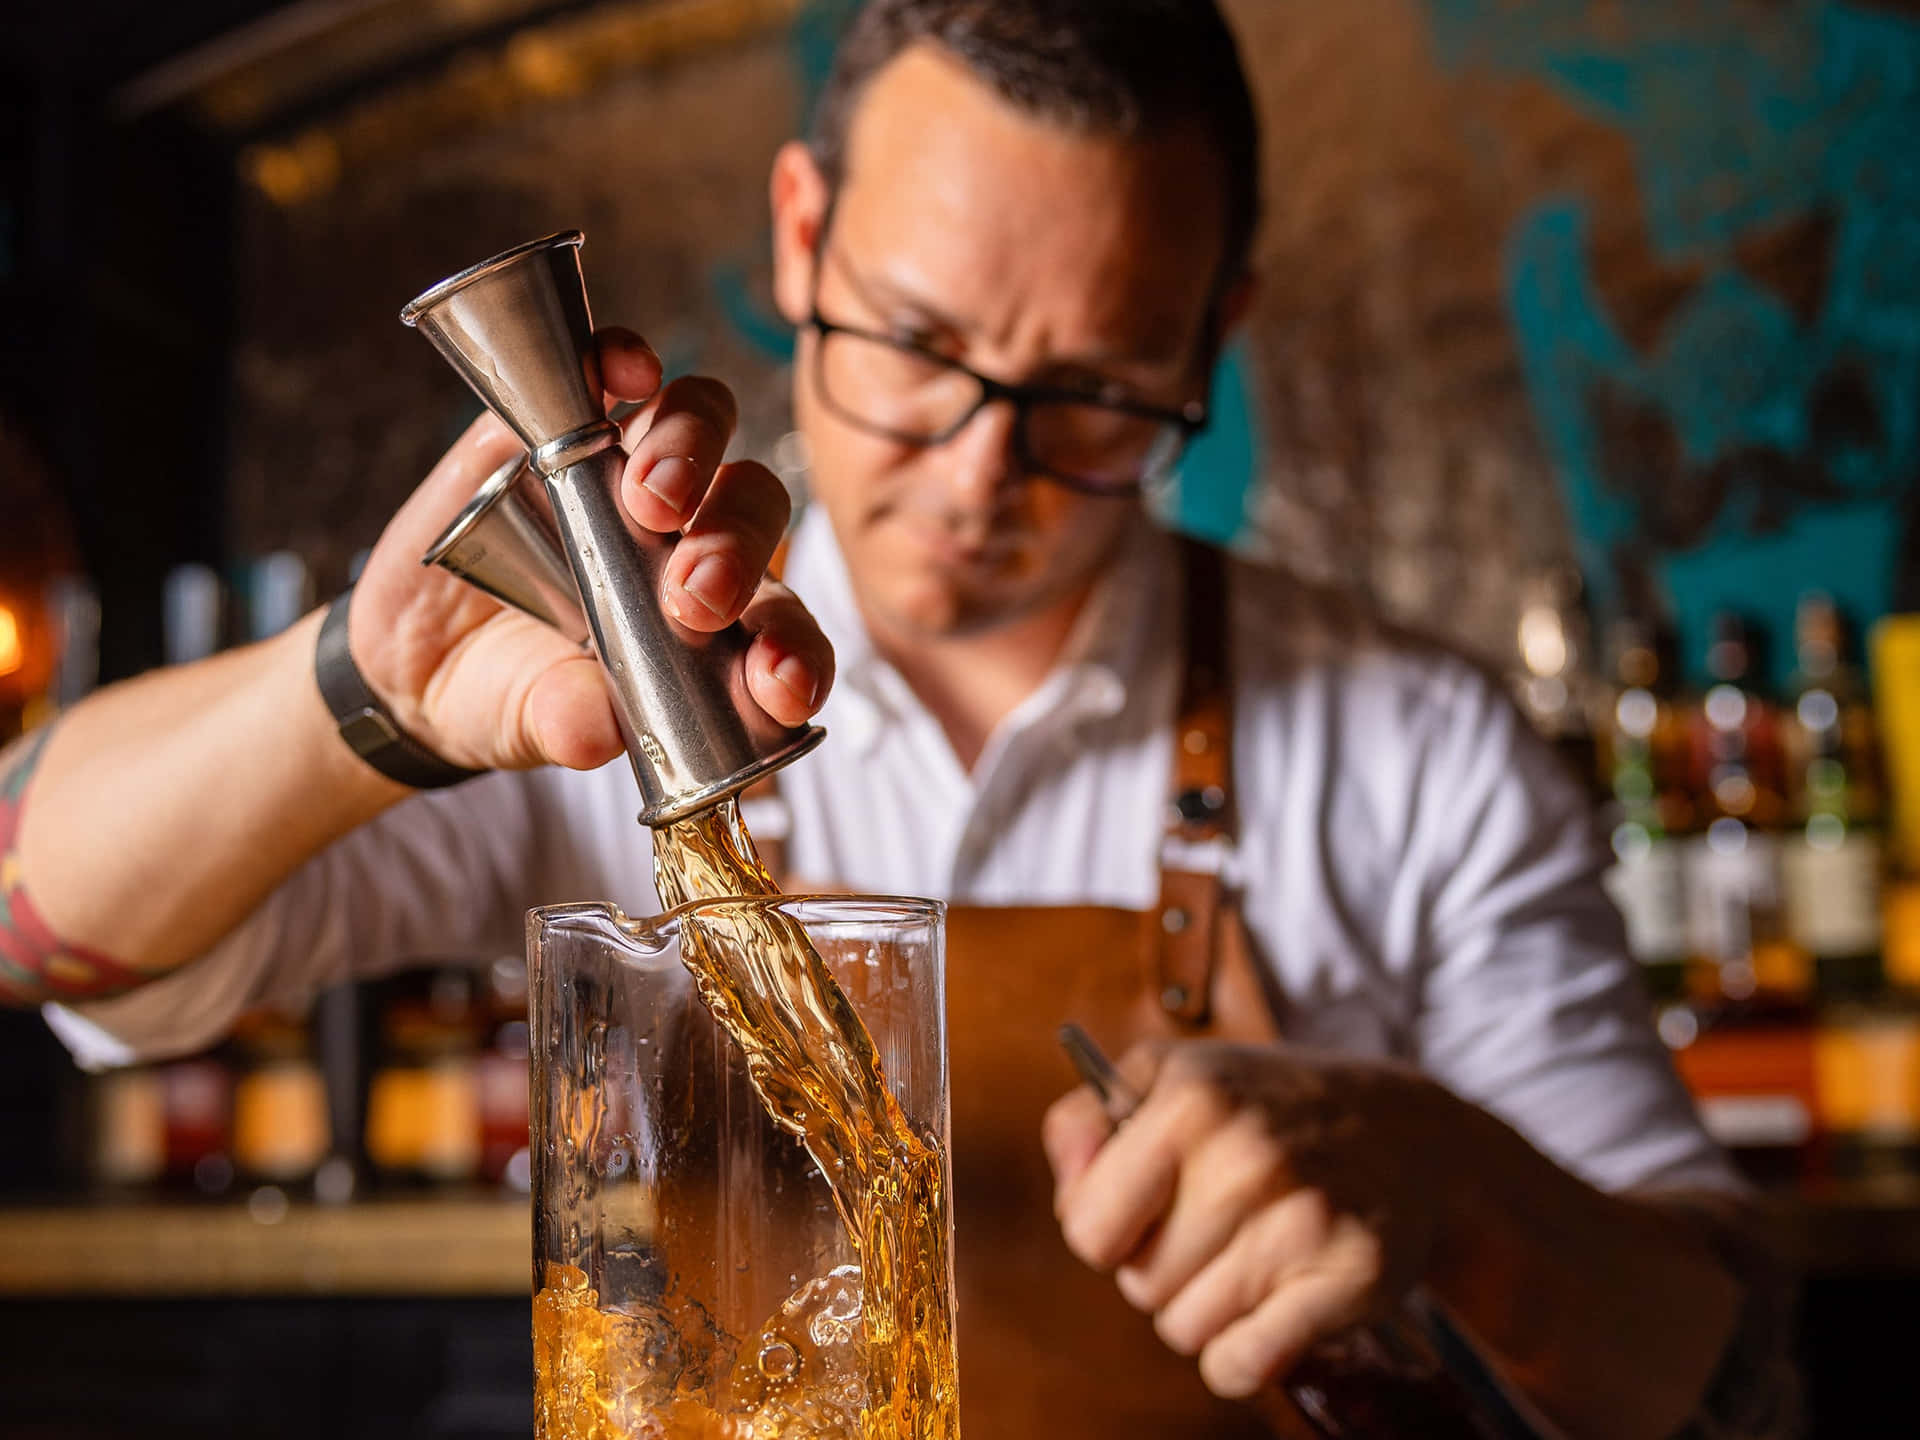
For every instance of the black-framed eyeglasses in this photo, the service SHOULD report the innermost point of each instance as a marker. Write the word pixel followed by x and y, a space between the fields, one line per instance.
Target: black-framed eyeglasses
pixel 900 391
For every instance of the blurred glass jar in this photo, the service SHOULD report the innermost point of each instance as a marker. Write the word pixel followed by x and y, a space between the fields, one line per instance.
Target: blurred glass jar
pixel 197 1101
pixel 423 1104
pixel 281 1131
pixel 126 1128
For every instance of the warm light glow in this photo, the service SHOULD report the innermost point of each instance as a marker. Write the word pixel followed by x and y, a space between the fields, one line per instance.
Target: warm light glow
pixel 12 653
pixel 1543 640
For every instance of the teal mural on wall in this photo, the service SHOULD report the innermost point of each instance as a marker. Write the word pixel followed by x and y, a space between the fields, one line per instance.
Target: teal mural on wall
pixel 1749 452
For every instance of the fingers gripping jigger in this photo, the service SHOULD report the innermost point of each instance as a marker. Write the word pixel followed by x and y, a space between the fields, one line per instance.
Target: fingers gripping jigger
pixel 517 329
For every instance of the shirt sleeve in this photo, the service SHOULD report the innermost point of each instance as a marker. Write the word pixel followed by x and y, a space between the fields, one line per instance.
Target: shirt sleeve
pixel 444 872
pixel 1530 1005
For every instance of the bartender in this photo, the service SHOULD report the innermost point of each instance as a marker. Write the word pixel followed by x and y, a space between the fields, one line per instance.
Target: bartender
pixel 1315 878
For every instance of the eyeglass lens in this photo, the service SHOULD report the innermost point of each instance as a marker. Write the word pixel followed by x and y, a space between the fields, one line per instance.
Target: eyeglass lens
pixel 915 398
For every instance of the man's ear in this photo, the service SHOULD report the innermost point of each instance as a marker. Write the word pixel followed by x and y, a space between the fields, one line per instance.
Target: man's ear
pixel 798 192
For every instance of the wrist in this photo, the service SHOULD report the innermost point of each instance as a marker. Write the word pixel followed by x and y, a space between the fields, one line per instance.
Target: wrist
pixel 355 792
pixel 364 721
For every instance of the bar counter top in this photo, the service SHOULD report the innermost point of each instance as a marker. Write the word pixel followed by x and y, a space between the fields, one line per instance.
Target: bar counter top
pixel 479 1244
pixel 467 1246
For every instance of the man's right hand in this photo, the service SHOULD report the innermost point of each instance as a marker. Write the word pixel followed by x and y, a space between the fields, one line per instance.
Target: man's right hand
pixel 485 686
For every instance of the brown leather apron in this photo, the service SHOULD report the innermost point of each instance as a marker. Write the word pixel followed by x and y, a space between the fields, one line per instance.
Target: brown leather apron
pixel 1047 1346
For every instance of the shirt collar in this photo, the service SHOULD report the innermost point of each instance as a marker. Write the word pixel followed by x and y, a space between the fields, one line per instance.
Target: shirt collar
pixel 1113 642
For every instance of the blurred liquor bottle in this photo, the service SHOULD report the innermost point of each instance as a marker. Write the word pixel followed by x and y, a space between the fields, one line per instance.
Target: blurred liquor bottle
pixel 423 1102
pixel 193 613
pixel 197 1101
pixel 280 1123
pixel 1745 1041
pixel 1650 812
pixel 1869 1050
pixel 1831 859
pixel 73 621
pixel 1896 689
pixel 1553 686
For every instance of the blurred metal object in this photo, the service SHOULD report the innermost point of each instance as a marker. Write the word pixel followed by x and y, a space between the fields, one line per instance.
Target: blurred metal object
pixel 505 542
pixel 1116 1096
pixel 73 603
pixel 518 330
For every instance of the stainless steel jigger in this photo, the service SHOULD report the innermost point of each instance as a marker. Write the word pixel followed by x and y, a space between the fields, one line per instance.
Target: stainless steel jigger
pixel 504 542
pixel 518 330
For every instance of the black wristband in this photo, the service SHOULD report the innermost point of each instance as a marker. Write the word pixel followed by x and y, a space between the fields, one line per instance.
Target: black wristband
pixel 365 724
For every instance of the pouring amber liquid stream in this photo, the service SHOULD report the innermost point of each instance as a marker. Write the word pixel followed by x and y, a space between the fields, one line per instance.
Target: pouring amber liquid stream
pixel 814 1067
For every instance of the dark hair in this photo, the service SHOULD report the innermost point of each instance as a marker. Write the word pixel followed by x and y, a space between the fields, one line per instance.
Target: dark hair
pixel 1132 68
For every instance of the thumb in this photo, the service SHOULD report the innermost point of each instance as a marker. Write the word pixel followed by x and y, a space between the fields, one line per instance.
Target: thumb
pixel 568 719
pixel 1075 1127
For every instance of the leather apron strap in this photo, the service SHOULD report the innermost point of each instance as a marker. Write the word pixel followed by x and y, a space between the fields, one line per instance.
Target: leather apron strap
pixel 1200 809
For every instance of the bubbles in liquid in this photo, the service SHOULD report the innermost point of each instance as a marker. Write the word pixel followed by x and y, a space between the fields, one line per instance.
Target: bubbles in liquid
pixel 778 1360
pixel 838 1319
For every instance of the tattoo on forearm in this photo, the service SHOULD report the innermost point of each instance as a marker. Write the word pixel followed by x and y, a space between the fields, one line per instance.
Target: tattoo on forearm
pixel 35 964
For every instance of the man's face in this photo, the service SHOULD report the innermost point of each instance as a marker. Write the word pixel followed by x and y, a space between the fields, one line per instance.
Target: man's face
pixel 1030 254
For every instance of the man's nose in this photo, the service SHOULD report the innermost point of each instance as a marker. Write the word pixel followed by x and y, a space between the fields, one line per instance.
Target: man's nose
pixel 983 460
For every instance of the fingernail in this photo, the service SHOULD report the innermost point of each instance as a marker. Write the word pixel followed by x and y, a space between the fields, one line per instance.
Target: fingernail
pixel 632 344
pixel 797 676
pixel 712 583
pixel 670 480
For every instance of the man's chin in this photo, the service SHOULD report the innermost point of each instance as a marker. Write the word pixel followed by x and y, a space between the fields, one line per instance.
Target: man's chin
pixel 932 609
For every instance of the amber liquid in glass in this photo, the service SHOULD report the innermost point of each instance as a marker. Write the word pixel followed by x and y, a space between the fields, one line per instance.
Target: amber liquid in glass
pixel 865 1351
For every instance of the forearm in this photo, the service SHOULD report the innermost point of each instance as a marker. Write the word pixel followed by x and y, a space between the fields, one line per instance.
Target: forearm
pixel 1611 1314
pixel 161 811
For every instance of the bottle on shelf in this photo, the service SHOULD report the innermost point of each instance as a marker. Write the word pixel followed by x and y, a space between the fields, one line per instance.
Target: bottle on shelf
pixel 1861 928
pixel 1896 690
pixel 423 1102
pixel 1734 882
pixel 1649 810
pixel 1552 686
pixel 280 1124
pixel 279 592
pixel 193 613
pixel 197 1101
pixel 74 605
pixel 1831 859
pixel 1744 1043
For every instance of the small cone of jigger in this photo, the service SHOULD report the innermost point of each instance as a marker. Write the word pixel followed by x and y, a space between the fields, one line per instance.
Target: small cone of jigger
pixel 504 542
pixel 518 330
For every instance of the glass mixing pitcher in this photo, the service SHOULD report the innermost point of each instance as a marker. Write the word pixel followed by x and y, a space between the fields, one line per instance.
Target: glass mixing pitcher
pixel 693 1275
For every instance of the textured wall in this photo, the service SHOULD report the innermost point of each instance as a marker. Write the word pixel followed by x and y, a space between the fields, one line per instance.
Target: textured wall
pixel 1620 262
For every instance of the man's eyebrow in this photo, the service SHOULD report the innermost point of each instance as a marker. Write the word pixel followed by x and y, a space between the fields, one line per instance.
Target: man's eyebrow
pixel 1160 347
pixel 878 292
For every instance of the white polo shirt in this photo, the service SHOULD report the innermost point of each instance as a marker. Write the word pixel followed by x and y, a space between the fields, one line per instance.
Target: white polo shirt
pixel 1416 869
